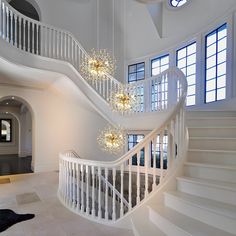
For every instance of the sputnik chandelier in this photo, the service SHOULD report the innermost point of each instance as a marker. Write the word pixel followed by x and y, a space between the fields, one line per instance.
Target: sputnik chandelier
pixel 112 139
pixel 98 65
pixel 123 101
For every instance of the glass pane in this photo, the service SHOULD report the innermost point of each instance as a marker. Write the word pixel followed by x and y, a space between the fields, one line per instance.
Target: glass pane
pixel 140 67
pixel 210 85
pixel 191 49
pixel 221 81
pixel 221 57
pixel 211 61
pixel 191 79
pixel 132 77
pixel 211 38
pixel 140 75
pixel 222 44
pixel 221 70
pixel 155 71
pixel 191 69
pixel 211 73
pixel 181 53
pixel 222 32
pixel 182 63
pixel 211 50
pixel 211 96
pixel 132 69
pixel 163 68
pixel 191 90
pixel 5 130
pixel 190 101
pixel 221 94
pixel 191 59
pixel 155 63
pixel 165 60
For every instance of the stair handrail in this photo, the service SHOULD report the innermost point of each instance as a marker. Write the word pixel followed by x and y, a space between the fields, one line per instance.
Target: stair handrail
pixel 149 169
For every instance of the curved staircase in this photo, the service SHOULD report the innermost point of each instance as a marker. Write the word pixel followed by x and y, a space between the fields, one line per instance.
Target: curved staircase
pixel 196 196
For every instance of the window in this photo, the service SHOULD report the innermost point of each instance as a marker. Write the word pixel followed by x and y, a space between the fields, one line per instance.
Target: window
pixel 178 3
pixel 164 144
pixel 136 72
pixel 6 130
pixel 215 61
pixel 134 139
pixel 159 90
pixel 186 61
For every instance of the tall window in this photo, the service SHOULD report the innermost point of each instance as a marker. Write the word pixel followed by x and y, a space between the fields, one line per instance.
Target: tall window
pixel 136 72
pixel 215 80
pixel 159 90
pixel 5 130
pixel 186 61
pixel 134 139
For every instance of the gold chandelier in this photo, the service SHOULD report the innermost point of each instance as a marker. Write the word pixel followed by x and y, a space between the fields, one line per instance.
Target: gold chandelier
pixel 123 101
pixel 112 139
pixel 98 65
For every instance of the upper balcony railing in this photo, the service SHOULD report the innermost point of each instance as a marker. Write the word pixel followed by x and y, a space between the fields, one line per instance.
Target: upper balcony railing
pixel 41 39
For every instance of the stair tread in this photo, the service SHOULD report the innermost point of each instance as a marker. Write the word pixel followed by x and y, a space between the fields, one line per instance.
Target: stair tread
pixel 214 138
pixel 214 183
pixel 213 150
pixel 217 207
pixel 187 224
pixel 207 165
pixel 144 226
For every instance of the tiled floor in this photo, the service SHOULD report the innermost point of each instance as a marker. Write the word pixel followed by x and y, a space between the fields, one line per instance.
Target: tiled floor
pixel 51 218
pixel 12 164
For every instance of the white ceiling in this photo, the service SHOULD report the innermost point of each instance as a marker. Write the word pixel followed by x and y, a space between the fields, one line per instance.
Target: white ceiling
pixel 11 74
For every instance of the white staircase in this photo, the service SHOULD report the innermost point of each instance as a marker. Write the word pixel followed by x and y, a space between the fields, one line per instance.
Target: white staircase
pixel 204 202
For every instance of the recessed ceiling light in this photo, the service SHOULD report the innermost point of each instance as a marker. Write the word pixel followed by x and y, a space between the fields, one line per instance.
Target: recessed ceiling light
pixel 7 103
pixel 6 112
pixel 12 97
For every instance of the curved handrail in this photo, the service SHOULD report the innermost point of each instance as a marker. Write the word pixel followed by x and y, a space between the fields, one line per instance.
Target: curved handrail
pixel 45 40
pixel 142 171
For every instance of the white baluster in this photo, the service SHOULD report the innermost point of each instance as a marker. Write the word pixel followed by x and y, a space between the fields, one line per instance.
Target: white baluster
pixel 114 195
pixel 99 194
pixel 93 192
pixel 130 184
pixel 161 157
pixel 78 185
pixel 3 21
pixel 87 189
pixel 7 24
pixel 122 190
pixel 37 39
pixel 23 33
pixel 138 178
pixel 147 158
pixel 169 145
pixel 106 194
pixel 12 25
pixel 154 143
pixel 82 189
pixel 1 18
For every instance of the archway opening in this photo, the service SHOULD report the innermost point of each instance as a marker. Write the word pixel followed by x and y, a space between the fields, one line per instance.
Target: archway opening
pixel 15 137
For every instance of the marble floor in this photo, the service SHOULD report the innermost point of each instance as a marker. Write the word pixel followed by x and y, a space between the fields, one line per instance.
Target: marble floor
pixel 36 194
pixel 12 164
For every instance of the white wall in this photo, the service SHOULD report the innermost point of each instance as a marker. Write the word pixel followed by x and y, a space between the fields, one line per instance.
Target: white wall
pixel 60 122
pixel 11 147
pixel 178 25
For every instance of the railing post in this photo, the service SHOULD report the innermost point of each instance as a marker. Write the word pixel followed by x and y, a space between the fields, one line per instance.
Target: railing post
pixel 161 157
pixel 154 143
pixel 99 194
pixel 106 193
pixel 130 184
pixel 82 188
pixel 138 178
pixel 114 195
pixel 122 190
pixel 147 158
pixel 87 189
pixel 78 186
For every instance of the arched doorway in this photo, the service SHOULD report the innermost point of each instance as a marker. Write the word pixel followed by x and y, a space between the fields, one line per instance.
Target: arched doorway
pixel 26 30
pixel 15 137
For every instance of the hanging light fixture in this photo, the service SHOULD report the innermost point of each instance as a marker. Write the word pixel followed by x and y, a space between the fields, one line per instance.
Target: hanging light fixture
pixel 123 101
pixel 112 139
pixel 99 63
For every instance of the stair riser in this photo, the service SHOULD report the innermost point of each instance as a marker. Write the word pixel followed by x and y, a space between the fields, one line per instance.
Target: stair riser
pixel 225 175
pixel 165 225
pixel 201 214
pixel 217 158
pixel 214 122
pixel 209 192
pixel 213 132
pixel 211 144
